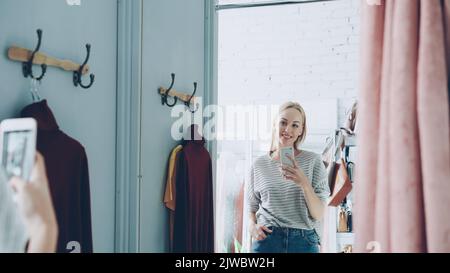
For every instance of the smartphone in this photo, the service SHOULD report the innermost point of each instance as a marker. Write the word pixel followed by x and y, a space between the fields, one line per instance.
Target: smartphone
pixel 285 160
pixel 18 146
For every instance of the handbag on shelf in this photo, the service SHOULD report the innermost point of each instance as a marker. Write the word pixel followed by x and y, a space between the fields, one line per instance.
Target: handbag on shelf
pixel 351 170
pixel 342 184
pixel 327 153
pixel 348 249
pixel 349 221
pixel 342 221
pixel 331 170
pixel 331 152
pixel 350 122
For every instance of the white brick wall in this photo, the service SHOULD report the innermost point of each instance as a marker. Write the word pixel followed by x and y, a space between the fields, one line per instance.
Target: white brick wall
pixel 292 52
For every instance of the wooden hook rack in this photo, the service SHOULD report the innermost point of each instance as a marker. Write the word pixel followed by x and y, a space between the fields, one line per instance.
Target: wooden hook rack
pixel 20 54
pixel 176 94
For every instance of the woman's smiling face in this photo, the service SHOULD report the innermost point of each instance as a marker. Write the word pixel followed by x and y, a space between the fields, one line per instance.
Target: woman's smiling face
pixel 289 127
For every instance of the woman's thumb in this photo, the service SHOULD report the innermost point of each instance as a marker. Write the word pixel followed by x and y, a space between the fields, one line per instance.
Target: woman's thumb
pixel 17 184
pixel 38 169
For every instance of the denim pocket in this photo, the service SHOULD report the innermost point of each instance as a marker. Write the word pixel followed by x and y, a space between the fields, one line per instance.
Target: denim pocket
pixel 268 234
pixel 264 245
pixel 311 237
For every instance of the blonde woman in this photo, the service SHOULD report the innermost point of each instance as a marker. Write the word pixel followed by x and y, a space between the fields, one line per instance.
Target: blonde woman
pixel 287 203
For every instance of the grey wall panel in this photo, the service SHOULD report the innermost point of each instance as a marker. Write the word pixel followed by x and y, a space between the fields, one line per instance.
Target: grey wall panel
pixel 173 41
pixel 87 115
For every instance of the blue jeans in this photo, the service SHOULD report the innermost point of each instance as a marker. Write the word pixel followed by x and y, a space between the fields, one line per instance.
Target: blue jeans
pixel 287 240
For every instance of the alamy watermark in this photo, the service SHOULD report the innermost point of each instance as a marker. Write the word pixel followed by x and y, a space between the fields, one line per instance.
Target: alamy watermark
pixel 373 2
pixel 73 2
pixel 74 247
pixel 225 122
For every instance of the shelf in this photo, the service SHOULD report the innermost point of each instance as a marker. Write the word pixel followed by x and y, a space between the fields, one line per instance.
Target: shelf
pixel 339 241
pixel 345 238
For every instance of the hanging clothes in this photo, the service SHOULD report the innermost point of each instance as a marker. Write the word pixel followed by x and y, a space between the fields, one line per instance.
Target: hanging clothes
pixel 170 192
pixel 68 176
pixel 194 222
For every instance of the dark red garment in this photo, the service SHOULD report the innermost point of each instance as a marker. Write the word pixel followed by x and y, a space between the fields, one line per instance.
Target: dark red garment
pixel 68 177
pixel 194 217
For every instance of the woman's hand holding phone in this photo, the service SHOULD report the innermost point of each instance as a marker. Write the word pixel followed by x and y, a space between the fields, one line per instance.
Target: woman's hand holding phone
pixel 292 171
pixel 35 205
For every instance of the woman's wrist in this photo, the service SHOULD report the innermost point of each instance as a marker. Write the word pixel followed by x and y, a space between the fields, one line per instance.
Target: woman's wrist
pixel 304 184
pixel 299 182
pixel 252 221
pixel 43 239
pixel 43 236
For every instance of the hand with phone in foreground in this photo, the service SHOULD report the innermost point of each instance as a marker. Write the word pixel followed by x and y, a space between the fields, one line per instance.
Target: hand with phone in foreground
pixel 294 173
pixel 35 204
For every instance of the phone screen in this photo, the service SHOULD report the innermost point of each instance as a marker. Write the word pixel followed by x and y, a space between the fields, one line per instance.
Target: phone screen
pixel 18 153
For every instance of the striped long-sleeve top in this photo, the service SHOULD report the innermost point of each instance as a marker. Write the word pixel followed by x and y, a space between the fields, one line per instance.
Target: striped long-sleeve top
pixel 279 202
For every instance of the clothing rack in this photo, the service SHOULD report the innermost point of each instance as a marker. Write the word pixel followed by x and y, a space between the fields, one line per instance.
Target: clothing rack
pixel 30 57
pixel 336 238
pixel 267 3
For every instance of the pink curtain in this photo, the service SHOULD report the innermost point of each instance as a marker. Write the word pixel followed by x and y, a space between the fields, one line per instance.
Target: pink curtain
pixel 402 186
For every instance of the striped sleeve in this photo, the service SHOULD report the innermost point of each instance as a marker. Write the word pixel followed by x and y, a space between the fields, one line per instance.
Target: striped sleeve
pixel 320 180
pixel 252 198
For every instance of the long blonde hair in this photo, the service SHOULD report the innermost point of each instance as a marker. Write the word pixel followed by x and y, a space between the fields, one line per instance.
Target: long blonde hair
pixel 301 138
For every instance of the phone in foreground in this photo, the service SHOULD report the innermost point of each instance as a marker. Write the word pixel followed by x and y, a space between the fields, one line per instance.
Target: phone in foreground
pixel 18 146
pixel 284 152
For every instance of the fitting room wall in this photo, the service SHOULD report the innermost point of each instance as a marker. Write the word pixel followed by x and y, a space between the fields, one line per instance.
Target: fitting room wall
pixel 172 41
pixel 87 115
pixel 170 37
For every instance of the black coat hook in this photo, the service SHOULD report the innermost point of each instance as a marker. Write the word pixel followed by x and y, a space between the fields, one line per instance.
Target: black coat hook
pixel 27 67
pixel 165 95
pixel 78 74
pixel 188 103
